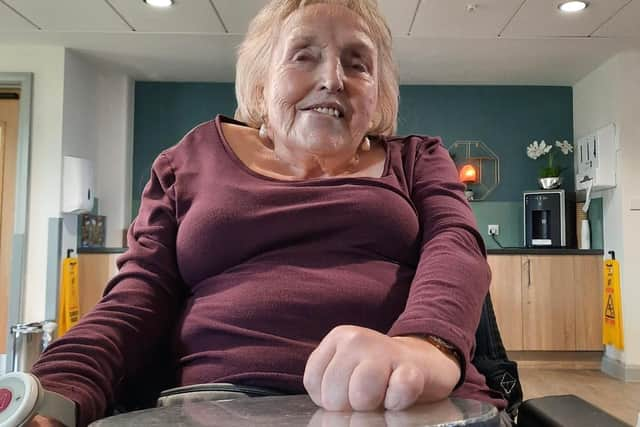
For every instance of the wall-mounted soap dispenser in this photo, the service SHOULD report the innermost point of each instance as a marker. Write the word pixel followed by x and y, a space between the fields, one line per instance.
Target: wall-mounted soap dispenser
pixel 77 185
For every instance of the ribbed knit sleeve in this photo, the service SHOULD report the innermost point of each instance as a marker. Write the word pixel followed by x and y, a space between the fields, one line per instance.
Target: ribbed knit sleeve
pixel 140 304
pixel 452 277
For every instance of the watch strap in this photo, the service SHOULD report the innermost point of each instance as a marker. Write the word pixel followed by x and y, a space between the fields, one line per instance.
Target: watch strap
pixel 445 348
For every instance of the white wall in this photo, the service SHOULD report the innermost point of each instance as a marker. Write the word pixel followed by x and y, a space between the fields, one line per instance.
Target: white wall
pixel 47 65
pixel 611 93
pixel 629 104
pixel 79 127
pixel 115 152
pixel 83 110
pixel 80 113
pixel 98 125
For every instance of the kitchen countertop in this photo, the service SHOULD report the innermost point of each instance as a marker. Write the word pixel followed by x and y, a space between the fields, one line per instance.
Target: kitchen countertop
pixel 101 250
pixel 544 251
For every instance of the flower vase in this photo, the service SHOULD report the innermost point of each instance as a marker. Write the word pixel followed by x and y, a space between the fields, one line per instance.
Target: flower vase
pixel 550 183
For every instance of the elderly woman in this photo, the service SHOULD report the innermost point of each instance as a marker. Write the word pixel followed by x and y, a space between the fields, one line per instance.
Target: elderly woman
pixel 299 247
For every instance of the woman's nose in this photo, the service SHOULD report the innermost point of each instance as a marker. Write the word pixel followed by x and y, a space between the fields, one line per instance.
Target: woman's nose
pixel 332 77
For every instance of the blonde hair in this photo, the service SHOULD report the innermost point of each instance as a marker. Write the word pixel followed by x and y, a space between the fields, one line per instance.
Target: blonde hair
pixel 254 57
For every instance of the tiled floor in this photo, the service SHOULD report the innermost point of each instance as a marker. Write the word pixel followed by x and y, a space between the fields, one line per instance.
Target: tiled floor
pixel 621 400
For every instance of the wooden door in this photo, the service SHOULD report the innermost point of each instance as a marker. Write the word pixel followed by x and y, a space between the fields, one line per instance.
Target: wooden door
pixel 3 131
pixel 506 295
pixel 589 280
pixel 4 282
pixel 549 317
pixel 9 109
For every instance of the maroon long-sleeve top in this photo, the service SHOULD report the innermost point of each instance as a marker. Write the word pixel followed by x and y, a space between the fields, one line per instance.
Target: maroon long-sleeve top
pixel 248 273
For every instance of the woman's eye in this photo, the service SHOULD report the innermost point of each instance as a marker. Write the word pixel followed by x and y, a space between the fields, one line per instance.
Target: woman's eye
pixel 359 66
pixel 302 57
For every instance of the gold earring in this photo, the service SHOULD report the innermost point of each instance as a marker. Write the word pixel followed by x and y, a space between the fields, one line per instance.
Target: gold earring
pixel 366 144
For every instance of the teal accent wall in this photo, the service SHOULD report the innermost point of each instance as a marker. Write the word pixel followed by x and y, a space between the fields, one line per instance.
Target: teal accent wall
pixel 509 216
pixel 164 113
pixel 595 216
pixel 505 118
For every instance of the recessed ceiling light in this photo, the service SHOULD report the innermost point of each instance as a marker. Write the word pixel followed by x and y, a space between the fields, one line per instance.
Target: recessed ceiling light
pixel 159 3
pixel 573 6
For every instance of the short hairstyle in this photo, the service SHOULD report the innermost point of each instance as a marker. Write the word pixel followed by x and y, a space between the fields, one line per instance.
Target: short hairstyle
pixel 254 57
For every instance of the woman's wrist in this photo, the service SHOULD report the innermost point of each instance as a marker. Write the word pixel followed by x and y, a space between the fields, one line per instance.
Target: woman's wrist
pixel 446 348
pixel 40 421
pixel 442 369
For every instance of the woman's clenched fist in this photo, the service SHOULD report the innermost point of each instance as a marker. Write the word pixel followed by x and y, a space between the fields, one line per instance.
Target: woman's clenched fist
pixel 355 368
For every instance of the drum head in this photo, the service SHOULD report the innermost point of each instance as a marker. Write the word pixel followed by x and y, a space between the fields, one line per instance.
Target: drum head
pixel 300 411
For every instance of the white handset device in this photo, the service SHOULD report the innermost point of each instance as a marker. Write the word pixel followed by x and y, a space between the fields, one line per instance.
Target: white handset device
pixel 22 397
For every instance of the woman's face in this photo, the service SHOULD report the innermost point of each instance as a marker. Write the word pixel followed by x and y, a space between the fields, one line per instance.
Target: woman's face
pixel 322 89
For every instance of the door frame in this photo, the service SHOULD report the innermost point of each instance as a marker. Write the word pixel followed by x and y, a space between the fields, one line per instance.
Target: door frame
pixel 23 81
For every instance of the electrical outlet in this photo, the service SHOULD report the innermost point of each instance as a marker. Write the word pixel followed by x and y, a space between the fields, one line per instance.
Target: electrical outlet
pixel 494 230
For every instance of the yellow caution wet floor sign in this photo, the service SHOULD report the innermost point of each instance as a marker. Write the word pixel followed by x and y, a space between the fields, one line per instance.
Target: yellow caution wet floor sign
pixel 612 332
pixel 69 302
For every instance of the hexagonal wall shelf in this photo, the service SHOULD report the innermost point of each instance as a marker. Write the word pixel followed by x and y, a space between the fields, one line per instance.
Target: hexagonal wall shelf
pixel 484 160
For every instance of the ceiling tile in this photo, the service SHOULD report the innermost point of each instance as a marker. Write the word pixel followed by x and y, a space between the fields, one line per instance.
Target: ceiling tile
pixel 542 18
pixel 211 57
pixel 500 60
pixel 236 15
pixel 192 16
pixel 624 24
pixel 450 18
pixel 70 15
pixel 399 14
pixel 11 21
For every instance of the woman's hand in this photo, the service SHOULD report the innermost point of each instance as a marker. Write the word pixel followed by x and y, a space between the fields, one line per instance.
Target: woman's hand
pixel 40 421
pixel 356 368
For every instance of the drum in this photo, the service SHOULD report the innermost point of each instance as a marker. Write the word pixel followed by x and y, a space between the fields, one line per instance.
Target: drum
pixel 300 411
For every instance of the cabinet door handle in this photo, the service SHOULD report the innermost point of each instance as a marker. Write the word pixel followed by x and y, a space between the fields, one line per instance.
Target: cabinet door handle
pixel 528 272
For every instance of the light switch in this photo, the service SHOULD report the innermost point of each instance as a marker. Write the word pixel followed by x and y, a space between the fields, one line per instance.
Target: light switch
pixel 635 203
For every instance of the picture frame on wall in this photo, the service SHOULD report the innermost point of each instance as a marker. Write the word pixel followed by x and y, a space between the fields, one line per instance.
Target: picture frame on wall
pixel 92 231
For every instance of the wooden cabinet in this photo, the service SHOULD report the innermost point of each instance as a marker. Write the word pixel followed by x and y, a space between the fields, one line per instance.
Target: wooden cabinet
pixel 94 271
pixel 548 302
pixel 589 281
pixel 506 296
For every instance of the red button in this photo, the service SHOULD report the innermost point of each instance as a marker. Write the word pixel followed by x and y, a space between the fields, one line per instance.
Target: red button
pixel 5 398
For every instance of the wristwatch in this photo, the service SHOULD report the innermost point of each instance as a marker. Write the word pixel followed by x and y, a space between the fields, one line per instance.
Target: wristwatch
pixel 22 397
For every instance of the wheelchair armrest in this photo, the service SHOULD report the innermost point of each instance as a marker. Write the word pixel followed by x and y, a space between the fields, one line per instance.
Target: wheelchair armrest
pixel 564 411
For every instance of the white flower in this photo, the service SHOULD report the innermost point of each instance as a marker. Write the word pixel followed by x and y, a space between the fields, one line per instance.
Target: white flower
pixel 565 147
pixel 535 150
